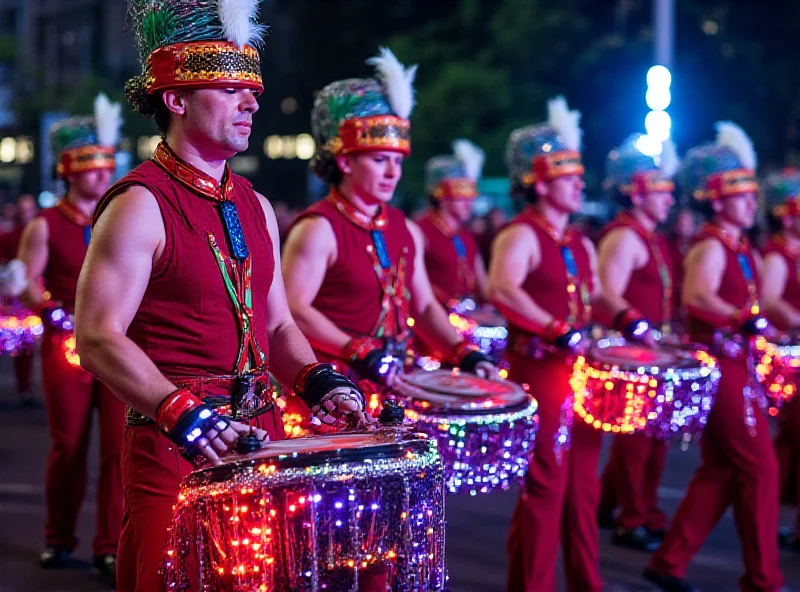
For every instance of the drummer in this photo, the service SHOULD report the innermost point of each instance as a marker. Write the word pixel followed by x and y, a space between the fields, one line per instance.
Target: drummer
pixel 353 264
pixel 721 292
pixel 181 317
pixel 452 258
pixel 635 269
pixel 542 278
pixel 781 295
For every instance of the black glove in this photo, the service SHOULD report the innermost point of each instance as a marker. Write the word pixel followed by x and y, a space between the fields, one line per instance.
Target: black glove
pixel 755 325
pixel 472 359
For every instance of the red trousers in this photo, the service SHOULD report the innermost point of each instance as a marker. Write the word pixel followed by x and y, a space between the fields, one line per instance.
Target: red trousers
pixel 631 480
pixel 23 370
pixel 71 394
pixel 787 448
pixel 735 468
pixel 558 501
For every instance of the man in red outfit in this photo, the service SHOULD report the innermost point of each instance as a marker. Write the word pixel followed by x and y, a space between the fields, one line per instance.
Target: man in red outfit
pixel 181 306
pixel 542 277
pixel 738 464
pixel 9 245
pixel 452 257
pixel 635 269
pixel 53 247
pixel 354 264
pixel 781 296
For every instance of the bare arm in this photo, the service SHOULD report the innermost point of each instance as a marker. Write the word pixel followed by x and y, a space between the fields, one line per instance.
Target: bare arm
pixel 125 242
pixel 309 252
pixel 774 277
pixel 433 324
pixel 289 349
pixel 481 278
pixel 621 252
pixel 705 266
pixel 515 254
pixel 34 253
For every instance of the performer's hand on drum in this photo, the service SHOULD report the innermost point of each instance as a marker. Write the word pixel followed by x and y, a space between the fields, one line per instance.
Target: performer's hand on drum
pixel 332 397
pixel 469 359
pixel 369 358
pixel 222 437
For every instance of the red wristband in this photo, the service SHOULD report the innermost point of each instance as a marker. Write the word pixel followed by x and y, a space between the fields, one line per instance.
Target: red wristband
pixel 358 348
pixel 302 377
pixel 461 351
pixel 175 406
pixel 555 329
pixel 626 317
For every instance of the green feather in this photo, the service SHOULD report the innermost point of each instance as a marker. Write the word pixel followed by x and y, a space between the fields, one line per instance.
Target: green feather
pixel 157 27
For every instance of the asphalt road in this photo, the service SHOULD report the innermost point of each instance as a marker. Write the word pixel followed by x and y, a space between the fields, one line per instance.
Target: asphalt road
pixel 477 526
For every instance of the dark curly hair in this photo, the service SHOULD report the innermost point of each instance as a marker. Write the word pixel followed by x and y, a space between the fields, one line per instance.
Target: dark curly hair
pixel 324 166
pixel 146 104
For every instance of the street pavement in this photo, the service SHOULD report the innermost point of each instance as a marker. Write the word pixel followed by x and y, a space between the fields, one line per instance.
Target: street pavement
pixel 476 534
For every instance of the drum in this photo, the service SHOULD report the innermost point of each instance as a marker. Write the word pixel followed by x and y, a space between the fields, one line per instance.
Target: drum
pixel 19 328
pixel 622 388
pixel 775 366
pixel 481 325
pixel 485 428
pixel 313 514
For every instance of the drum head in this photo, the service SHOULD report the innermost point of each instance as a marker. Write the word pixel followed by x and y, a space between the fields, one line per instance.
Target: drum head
pixel 445 390
pixel 631 356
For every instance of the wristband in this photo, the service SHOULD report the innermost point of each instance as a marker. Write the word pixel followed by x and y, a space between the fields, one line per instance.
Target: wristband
pixel 302 377
pixel 174 407
pixel 555 329
pixel 184 418
pixel 632 324
pixel 317 380
pixel 461 351
pixel 472 359
pixel 359 347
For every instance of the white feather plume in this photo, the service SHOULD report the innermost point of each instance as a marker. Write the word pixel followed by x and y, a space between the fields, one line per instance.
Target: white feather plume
pixel 240 23
pixel 397 80
pixel 734 137
pixel 108 120
pixel 565 122
pixel 668 161
pixel 472 157
pixel 13 279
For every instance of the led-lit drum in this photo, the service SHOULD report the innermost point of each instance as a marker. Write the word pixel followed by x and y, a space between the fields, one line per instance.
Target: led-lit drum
pixel 776 366
pixel 19 329
pixel 481 324
pixel 624 388
pixel 313 514
pixel 485 428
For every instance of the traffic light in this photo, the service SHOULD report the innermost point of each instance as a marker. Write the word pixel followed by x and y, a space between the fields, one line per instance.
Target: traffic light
pixel 658 122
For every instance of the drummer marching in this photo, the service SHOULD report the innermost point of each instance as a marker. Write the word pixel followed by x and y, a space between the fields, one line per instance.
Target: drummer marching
pixel 721 294
pixel 452 258
pixel 353 264
pixel 181 307
pixel 781 296
pixel 635 269
pixel 543 279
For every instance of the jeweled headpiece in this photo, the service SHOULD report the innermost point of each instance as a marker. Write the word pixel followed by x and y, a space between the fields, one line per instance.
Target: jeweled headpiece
pixel 359 115
pixel 455 177
pixel 782 193
pixel 723 169
pixel 87 143
pixel 548 150
pixel 630 171
pixel 194 44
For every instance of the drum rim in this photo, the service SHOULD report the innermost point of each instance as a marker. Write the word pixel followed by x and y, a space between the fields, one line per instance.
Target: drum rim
pixel 684 360
pixel 445 409
pixel 393 449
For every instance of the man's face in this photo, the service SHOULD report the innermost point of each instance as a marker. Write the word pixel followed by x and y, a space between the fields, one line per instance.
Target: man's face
pixel 656 205
pixel 91 185
pixel 26 209
pixel 459 209
pixel 739 210
pixel 374 175
pixel 565 193
pixel 219 120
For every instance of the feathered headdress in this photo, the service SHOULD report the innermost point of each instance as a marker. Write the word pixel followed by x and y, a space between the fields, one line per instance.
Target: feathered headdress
pixel 397 80
pixel 191 43
pixel 565 122
pixel 108 120
pixel 730 135
pixel 472 157
pixel 631 170
pixel 668 161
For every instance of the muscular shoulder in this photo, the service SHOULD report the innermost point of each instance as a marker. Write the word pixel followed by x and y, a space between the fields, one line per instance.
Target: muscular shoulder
pixel 132 215
pixel 313 234
pixel 517 234
pixel 709 251
pixel 622 240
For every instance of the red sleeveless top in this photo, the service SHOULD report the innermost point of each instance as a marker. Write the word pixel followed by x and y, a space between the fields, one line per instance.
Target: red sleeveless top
pixel 566 296
pixel 792 258
pixel 650 288
pixel 187 322
pixel 66 244
pixel 452 274
pixel 734 287
pixel 357 294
